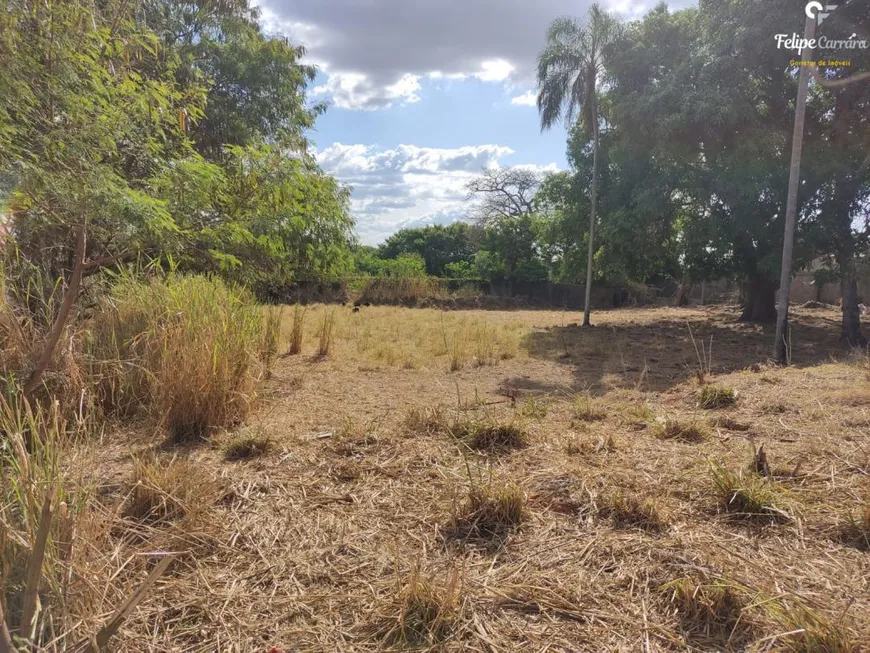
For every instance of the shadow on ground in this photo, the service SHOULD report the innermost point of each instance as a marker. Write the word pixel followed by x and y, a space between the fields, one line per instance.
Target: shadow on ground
pixel 655 351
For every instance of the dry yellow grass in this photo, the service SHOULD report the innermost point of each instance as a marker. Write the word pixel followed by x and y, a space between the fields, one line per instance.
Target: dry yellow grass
pixel 389 337
pixel 335 538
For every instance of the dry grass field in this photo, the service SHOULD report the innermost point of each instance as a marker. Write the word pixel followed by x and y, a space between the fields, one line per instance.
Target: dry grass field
pixel 506 481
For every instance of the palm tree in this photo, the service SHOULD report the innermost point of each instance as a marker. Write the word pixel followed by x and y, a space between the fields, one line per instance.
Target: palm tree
pixel 569 68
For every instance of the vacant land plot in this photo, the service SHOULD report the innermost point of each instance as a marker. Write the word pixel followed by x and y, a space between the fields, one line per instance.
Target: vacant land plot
pixel 500 481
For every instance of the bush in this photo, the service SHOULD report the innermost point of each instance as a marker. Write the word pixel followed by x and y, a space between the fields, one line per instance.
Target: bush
pixel 188 350
pixel 29 301
pixel 407 291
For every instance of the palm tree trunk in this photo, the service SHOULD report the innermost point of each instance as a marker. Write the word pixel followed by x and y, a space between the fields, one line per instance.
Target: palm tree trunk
pixel 592 213
pixel 779 346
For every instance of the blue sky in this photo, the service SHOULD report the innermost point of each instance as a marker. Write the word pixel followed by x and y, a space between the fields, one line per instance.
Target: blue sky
pixel 423 95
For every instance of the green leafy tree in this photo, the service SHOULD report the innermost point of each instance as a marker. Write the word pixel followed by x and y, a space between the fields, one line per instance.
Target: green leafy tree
pixel 723 129
pixel 440 246
pixel 72 101
pixel 509 252
pixel 255 84
pixel 265 219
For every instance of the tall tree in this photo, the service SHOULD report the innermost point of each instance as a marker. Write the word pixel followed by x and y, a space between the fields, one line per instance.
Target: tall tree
pixel 725 128
pixel 502 193
pixel 841 152
pixel 569 69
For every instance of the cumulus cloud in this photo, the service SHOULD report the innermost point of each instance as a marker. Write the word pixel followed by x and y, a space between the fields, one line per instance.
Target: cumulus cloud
pixel 356 91
pixel 528 99
pixel 408 185
pixel 380 50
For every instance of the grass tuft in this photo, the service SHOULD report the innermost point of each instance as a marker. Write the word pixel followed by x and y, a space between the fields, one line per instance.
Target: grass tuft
pixel 713 396
pixel 630 511
pixel 680 431
pixel 728 424
pixel 427 420
pixel 427 611
pixel 489 512
pixel 187 350
pixel 493 438
pixel 586 410
pixel 855 531
pixel 162 493
pixel 714 610
pixel 534 408
pixel 748 495
pixel 243 447
pixel 807 631
pixel 324 334
pixel 297 331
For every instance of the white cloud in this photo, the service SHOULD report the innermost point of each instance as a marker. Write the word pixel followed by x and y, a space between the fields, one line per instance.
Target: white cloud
pixel 494 70
pixel 528 99
pixel 409 185
pixel 356 91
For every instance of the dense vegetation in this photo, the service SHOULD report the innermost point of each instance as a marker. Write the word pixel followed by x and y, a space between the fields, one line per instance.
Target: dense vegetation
pixel 176 131
pixel 171 130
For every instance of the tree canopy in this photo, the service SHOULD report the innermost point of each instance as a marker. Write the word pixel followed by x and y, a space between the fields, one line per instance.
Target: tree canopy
pixel 170 128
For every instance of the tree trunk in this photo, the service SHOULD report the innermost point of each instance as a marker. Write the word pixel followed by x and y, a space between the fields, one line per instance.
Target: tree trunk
pixel 759 301
pixel 592 213
pixel 779 343
pixel 851 334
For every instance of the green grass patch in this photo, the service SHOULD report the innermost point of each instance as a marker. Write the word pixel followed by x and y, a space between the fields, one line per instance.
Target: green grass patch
pixel 714 396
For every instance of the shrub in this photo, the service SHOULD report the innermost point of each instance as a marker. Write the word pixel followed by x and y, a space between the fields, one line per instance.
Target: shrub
pixel 29 302
pixel 189 350
pixel 405 291
pixel 712 396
